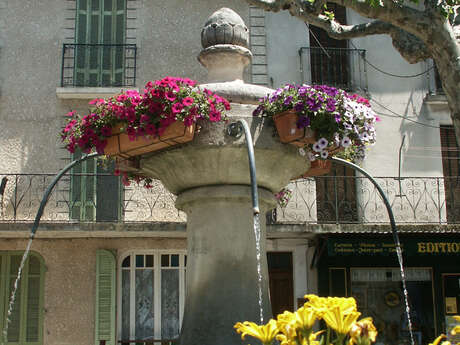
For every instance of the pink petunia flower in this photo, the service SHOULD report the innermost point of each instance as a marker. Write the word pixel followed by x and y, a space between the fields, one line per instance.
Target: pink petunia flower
pixel 187 101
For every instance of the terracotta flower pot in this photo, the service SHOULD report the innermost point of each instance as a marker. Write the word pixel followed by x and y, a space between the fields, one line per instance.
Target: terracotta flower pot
pixel 120 145
pixel 317 168
pixel 286 125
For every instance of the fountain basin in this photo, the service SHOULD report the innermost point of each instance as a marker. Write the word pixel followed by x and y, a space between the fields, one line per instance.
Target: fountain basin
pixel 215 158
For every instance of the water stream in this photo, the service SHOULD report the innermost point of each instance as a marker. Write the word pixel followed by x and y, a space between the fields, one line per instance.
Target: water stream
pixel 259 265
pixel 406 295
pixel 14 291
pixel 41 208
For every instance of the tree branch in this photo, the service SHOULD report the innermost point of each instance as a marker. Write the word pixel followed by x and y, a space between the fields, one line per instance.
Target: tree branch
pixel 271 5
pixel 411 48
pixel 409 19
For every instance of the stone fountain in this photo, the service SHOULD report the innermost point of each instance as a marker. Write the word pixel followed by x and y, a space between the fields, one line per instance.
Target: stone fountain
pixel 211 179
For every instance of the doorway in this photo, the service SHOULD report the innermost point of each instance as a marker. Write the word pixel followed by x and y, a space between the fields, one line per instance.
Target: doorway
pixel 280 281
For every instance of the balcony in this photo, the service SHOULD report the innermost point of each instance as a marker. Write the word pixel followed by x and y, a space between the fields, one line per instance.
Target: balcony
pixel 340 67
pixel 323 200
pixel 98 65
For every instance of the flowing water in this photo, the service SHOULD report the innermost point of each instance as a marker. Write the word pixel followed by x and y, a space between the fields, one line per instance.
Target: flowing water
pixel 259 265
pixel 13 292
pixel 406 295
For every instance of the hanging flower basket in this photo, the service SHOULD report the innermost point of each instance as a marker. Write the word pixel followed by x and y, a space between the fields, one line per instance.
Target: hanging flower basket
pixel 317 168
pixel 132 124
pixel 289 132
pixel 119 144
pixel 321 119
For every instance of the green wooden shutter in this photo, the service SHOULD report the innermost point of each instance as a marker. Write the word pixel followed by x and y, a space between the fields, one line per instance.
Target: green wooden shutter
pixel 100 22
pixel 83 190
pixel 105 297
pixel 27 316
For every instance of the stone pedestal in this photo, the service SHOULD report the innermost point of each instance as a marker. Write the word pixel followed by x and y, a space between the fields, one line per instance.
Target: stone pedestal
pixel 222 280
pixel 211 178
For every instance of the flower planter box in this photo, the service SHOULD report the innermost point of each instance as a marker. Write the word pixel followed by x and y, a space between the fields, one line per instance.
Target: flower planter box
pixel 175 134
pixel 317 168
pixel 286 125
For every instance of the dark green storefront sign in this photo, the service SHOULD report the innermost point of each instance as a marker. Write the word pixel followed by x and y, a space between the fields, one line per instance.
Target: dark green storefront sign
pixel 341 247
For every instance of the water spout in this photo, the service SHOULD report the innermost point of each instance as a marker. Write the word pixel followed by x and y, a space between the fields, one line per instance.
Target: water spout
pixel 41 208
pixel 395 237
pixel 236 129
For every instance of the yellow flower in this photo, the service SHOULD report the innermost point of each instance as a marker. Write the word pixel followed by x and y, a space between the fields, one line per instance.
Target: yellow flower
pixel 438 340
pixel 286 325
pixel 363 332
pixel 301 321
pixel 265 333
pixel 339 320
pixel 339 313
pixel 456 329
pixel 284 340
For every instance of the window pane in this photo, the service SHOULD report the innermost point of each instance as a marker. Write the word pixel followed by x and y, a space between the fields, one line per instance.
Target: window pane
pixel 107 5
pixel 95 5
pixel 149 261
pixel 139 260
pixel 126 262
pixel 165 261
pixel 169 304
pixel 175 260
pixel 125 302
pixel 144 304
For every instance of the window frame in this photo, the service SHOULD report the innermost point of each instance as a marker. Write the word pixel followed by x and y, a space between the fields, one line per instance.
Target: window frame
pixel 157 269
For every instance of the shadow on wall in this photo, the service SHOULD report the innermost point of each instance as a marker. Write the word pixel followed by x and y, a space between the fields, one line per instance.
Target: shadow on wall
pixel 421 152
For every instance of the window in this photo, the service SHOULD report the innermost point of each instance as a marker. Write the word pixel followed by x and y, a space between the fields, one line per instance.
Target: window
pixel 26 326
pixel 329 57
pixel 151 297
pixel 100 37
pixel 378 293
pixel 95 193
pixel 451 170
pixel 336 196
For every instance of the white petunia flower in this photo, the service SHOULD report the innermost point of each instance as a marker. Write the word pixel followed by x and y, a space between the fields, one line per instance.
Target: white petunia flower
pixel 345 142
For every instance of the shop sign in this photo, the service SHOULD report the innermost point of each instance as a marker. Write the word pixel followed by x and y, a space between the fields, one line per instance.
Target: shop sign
pixel 339 247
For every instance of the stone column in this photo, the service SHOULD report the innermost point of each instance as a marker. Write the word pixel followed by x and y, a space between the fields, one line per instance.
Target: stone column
pixel 222 278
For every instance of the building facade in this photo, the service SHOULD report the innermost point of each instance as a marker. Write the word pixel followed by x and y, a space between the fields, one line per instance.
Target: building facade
pixel 109 262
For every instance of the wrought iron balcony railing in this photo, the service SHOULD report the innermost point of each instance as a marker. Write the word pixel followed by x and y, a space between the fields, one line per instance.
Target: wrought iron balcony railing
pixel 340 67
pixel 98 65
pixel 336 199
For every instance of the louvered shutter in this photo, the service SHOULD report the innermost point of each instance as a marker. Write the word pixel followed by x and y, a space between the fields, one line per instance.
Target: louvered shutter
pixel 105 297
pixel 83 189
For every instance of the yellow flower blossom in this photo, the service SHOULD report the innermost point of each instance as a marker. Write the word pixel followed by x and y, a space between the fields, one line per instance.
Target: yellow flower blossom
pixel 339 313
pixel 301 321
pixel 456 329
pixel 339 321
pixel 437 341
pixel 284 340
pixel 265 333
pixel 363 332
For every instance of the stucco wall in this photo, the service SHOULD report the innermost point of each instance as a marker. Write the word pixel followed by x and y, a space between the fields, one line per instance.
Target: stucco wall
pixel 70 281
pixel 401 99
pixel 167 34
